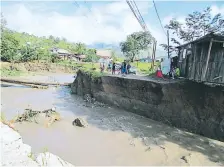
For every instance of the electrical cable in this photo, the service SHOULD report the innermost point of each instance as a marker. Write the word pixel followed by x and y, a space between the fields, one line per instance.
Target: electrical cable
pixel 159 17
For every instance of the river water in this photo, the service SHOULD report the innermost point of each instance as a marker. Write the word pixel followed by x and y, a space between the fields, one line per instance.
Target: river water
pixel 113 137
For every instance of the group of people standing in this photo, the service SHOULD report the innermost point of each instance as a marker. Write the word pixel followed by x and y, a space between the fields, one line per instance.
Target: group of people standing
pixel 124 68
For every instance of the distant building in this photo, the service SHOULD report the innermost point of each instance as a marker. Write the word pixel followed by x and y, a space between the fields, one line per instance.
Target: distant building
pixel 61 53
pixel 78 57
pixel 203 59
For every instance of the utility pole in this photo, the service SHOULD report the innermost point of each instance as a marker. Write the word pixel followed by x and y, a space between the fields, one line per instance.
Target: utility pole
pixel 154 53
pixel 168 43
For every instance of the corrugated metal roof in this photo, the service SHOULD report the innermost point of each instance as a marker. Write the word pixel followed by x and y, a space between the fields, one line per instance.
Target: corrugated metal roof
pixel 205 38
pixel 63 51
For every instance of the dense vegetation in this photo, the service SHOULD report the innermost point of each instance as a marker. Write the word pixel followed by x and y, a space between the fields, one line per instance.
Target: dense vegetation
pixel 196 25
pixel 23 47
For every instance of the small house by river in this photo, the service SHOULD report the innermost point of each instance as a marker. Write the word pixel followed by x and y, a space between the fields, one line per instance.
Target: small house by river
pixel 202 60
pixel 61 53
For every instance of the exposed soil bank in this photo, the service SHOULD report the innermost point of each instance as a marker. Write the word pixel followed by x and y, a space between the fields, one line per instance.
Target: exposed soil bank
pixel 195 107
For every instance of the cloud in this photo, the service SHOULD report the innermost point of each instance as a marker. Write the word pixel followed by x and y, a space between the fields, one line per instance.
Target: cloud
pixel 167 19
pixel 108 23
pixel 217 9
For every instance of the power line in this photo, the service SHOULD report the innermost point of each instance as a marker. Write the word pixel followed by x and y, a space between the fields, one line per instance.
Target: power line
pixel 137 14
pixel 78 6
pixel 141 21
pixel 159 17
pixel 144 24
pixel 91 11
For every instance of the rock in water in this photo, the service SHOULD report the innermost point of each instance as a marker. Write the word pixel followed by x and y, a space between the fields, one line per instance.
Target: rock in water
pixel 80 122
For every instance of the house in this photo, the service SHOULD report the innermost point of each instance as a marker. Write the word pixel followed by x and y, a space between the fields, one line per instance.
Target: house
pixel 61 53
pixel 78 57
pixel 203 59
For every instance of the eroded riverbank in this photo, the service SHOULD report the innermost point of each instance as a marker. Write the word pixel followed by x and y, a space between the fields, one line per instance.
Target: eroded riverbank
pixel 114 137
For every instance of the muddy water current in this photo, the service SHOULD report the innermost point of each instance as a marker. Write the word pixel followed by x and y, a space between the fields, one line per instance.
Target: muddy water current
pixel 114 136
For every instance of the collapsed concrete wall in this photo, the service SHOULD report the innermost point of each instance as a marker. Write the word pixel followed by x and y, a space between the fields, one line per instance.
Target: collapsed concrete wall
pixel 193 106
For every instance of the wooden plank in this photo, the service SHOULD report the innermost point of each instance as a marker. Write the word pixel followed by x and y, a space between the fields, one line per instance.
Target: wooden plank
pixel 194 54
pixel 208 56
pixel 201 64
pixel 221 67
pixel 218 41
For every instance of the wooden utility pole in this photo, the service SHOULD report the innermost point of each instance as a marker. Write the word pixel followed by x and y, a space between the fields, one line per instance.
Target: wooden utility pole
pixel 155 50
pixel 154 53
pixel 168 44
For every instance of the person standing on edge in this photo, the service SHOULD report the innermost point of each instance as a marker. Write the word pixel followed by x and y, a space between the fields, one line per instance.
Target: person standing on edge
pixel 122 68
pixel 125 68
pixel 128 68
pixel 159 73
pixel 113 68
pixel 172 72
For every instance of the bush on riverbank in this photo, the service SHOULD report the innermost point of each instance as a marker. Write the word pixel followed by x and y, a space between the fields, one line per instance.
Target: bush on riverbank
pixel 94 74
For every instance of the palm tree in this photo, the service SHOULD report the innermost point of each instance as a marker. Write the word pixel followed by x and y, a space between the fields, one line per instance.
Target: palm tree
pixel 80 48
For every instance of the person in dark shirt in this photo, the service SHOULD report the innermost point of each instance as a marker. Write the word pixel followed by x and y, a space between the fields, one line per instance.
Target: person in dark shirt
pixel 122 68
pixel 113 68
pixel 128 68
pixel 125 68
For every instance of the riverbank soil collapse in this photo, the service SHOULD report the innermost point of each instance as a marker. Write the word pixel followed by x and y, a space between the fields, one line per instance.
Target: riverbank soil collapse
pixel 113 136
pixel 193 106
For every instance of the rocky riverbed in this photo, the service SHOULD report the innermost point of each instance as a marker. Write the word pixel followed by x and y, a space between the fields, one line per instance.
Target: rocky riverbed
pixel 113 136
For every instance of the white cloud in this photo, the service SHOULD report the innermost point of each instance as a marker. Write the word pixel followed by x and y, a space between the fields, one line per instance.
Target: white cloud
pixel 217 9
pixel 167 19
pixel 114 21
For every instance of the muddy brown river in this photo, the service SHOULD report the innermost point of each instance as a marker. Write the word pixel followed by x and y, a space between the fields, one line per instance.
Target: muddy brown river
pixel 114 136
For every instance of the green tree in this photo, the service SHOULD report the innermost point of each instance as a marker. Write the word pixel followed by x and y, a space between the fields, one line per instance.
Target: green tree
pixel 136 42
pixel 24 47
pixel 9 44
pixel 80 48
pixel 196 25
pixel 91 55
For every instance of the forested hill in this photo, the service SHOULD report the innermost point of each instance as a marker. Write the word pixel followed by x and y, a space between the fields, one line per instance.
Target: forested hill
pixel 20 47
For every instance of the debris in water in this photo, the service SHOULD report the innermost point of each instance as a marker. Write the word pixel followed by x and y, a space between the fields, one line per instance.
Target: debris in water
pixel 49 116
pixel 39 86
pixel 185 158
pixel 148 149
pixel 91 102
pixel 80 122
